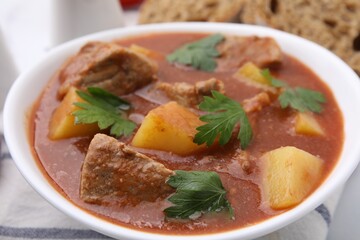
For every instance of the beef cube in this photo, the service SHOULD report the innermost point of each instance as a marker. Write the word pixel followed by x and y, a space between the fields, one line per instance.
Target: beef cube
pixel 257 102
pixel 108 66
pixel 113 172
pixel 235 51
pixel 190 95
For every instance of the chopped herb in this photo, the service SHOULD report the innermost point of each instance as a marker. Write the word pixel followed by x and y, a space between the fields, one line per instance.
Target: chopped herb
pixel 105 109
pixel 300 99
pixel 199 54
pixel 273 81
pixel 196 192
pixel 225 114
pixel 105 98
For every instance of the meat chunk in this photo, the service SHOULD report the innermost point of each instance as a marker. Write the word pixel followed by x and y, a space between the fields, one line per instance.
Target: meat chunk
pixel 109 66
pixel 235 51
pixel 190 95
pixel 257 102
pixel 113 172
pixel 204 88
pixel 246 161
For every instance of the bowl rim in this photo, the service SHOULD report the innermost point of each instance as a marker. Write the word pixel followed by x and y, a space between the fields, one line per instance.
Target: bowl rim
pixel 14 123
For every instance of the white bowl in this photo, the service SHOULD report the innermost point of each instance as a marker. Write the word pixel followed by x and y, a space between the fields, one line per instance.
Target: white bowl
pixel 340 78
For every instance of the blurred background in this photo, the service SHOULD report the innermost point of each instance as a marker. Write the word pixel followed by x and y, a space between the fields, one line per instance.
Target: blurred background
pixel 28 31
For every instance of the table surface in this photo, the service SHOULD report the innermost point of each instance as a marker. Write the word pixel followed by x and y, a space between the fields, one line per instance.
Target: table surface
pixel 26 29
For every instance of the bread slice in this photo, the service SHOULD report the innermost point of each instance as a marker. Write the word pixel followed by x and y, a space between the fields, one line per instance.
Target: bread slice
pixel 152 11
pixel 334 24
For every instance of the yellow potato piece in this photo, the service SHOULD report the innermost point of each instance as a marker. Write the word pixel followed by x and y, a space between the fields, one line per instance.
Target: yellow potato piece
pixel 62 123
pixel 306 124
pixel 170 127
pixel 290 174
pixel 252 74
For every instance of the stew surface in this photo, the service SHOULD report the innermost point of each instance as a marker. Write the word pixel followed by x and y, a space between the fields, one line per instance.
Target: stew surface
pixel 62 159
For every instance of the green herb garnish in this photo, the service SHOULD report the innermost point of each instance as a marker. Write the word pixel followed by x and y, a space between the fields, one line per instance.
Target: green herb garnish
pixel 225 114
pixel 273 81
pixel 196 192
pixel 105 109
pixel 199 54
pixel 300 99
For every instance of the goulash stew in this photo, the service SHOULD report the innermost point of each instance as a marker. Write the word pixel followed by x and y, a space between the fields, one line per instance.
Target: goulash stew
pixel 186 133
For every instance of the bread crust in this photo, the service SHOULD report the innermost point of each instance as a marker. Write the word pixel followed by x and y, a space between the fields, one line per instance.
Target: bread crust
pixel 334 24
pixel 152 11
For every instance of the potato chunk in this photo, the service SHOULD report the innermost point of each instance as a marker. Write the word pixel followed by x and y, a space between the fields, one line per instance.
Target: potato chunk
pixel 250 74
pixel 290 174
pixel 62 123
pixel 253 73
pixel 170 127
pixel 306 124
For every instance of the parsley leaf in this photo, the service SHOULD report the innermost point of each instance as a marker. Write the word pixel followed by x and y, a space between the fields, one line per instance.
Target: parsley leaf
pixel 225 114
pixel 273 81
pixel 105 109
pixel 196 192
pixel 300 99
pixel 105 98
pixel 199 54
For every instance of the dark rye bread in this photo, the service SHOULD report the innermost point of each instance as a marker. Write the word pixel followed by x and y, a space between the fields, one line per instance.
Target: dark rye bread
pixel 152 11
pixel 334 24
